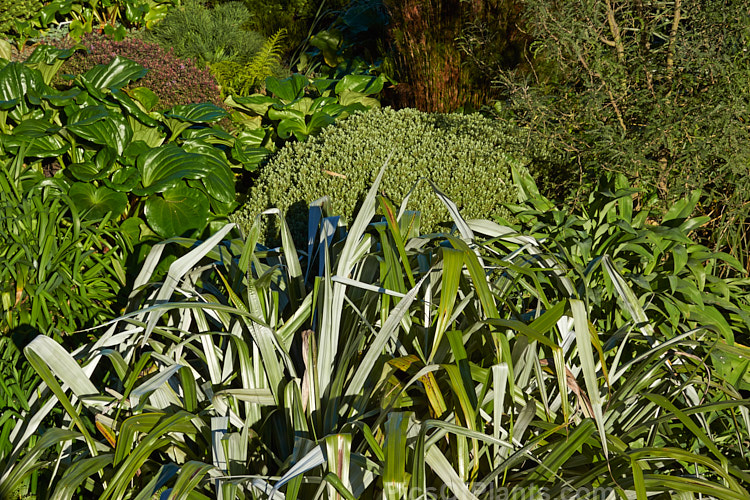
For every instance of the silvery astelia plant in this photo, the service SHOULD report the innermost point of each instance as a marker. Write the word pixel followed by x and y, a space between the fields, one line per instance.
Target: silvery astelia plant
pixel 384 363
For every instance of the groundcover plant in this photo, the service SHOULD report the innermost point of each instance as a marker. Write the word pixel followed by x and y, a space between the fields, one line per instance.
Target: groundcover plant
pixel 591 352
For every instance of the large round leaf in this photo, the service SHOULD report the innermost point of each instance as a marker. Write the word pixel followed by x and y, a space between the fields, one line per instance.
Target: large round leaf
pixel 163 168
pixel 177 211
pixel 94 202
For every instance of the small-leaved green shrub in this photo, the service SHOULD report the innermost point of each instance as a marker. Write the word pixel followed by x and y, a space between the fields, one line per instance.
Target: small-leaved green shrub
pixel 208 35
pixel 174 80
pixel 466 156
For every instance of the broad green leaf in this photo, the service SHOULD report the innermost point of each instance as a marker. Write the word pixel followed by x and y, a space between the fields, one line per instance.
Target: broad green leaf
pixel 117 74
pixel 101 126
pixel 145 96
pixel 257 103
pixel 364 84
pixel 176 211
pixel 219 181
pixel 197 113
pixel 95 202
pixel 164 167
pixel 287 89
pixel 124 179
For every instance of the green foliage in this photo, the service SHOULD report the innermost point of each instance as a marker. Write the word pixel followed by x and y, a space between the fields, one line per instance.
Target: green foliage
pixel 298 17
pixel 57 271
pixel 653 90
pixel 14 12
pixel 112 17
pixel 489 361
pixel 175 81
pixel 467 156
pixel 16 388
pixel 296 108
pixel 239 79
pixel 208 35
pixel 111 155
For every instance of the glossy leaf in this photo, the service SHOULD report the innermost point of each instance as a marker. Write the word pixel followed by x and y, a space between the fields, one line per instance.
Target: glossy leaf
pixel 95 202
pixel 177 211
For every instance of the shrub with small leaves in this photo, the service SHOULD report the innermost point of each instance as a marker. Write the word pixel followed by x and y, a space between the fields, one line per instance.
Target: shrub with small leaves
pixel 174 80
pixel 208 35
pixel 468 157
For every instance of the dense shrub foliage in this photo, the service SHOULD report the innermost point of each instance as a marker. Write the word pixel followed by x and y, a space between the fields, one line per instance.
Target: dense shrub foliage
pixel 466 156
pixel 654 90
pixel 174 80
pixel 208 35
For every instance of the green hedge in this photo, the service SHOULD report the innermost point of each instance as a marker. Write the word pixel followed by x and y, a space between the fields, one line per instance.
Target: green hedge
pixel 466 156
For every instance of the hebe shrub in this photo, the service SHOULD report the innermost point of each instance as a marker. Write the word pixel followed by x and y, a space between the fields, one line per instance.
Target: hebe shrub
pixel 467 156
pixel 174 80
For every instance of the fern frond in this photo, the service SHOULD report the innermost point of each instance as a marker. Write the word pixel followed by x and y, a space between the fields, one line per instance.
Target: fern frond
pixel 262 64
pixel 242 79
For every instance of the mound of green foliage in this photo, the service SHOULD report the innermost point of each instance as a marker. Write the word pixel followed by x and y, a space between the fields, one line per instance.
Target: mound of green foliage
pixel 208 35
pixel 466 156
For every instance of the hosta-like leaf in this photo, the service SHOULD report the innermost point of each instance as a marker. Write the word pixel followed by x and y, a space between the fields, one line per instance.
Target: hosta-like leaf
pixel 177 211
pixel 39 137
pixel 363 84
pixel 86 171
pixel 300 129
pixel 197 113
pixel 256 103
pixel 220 180
pixel 287 89
pixel 16 81
pixel 124 179
pixel 118 73
pixel 162 168
pixel 102 126
pixel 95 202
pixel 145 96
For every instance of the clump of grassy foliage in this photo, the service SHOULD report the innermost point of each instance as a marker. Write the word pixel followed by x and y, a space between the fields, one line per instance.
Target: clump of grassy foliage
pixel 555 356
